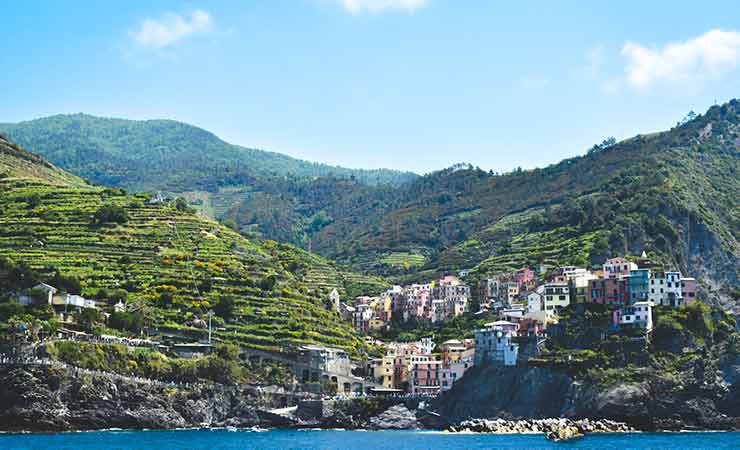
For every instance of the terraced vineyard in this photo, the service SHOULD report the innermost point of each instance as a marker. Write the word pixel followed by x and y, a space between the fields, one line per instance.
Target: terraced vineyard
pixel 176 263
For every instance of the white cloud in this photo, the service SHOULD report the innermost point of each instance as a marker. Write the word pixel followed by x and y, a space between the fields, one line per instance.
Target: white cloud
pixel 171 28
pixel 377 6
pixel 710 55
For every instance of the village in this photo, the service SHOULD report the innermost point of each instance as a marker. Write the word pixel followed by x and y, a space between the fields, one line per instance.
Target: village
pixel 520 305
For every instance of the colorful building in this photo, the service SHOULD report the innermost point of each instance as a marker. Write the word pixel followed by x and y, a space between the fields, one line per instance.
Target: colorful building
pixel 425 376
pixel 607 291
pixel 639 314
pixel 557 297
pixel 688 290
pixel 493 344
pixel 638 285
pixel 618 267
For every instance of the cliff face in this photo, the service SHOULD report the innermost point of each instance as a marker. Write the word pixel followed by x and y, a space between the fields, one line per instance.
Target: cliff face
pixel 41 398
pixel 700 398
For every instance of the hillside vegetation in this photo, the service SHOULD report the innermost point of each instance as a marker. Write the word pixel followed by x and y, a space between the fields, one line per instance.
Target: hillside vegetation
pixel 672 194
pixel 165 155
pixel 168 264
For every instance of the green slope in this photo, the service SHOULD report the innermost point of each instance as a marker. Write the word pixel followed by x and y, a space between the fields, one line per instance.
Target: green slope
pixel 170 262
pixel 673 194
pixel 165 155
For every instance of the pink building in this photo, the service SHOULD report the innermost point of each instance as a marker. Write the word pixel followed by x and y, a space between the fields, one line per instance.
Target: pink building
pixel 523 277
pixel 609 291
pixel 426 375
pixel 618 267
pixel 688 290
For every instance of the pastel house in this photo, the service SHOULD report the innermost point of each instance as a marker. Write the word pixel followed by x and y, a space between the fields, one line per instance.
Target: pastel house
pixel 493 344
pixel 618 267
pixel 639 314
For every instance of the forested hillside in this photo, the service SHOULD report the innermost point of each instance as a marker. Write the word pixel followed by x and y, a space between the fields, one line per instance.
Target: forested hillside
pixel 672 194
pixel 165 155
pixel 168 264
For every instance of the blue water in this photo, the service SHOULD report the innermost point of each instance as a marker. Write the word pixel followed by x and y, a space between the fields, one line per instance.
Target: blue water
pixel 355 440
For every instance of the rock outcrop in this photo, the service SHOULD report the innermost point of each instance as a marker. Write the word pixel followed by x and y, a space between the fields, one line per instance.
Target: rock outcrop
pixel 396 417
pixel 44 398
pixel 698 399
pixel 560 429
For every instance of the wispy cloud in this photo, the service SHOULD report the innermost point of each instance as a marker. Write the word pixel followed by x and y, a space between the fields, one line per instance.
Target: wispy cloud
pixel 170 29
pixel 709 56
pixel 377 6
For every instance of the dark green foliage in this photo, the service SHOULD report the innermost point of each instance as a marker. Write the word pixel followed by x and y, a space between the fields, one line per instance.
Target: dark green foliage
pixel 223 366
pixel 225 308
pixel 33 201
pixel 66 283
pixel 126 321
pixel 16 275
pixel 110 214
pixel 88 318
pixel 165 155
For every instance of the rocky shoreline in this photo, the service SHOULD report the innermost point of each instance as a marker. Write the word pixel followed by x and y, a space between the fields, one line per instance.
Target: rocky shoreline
pixel 559 429
pixel 37 398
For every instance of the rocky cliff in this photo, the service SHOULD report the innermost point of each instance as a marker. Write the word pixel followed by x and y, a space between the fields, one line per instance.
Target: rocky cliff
pixel 698 398
pixel 44 398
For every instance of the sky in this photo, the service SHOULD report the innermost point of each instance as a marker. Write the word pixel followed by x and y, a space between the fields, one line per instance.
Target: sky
pixel 407 84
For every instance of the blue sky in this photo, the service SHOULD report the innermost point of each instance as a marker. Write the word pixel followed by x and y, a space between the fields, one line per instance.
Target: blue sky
pixel 407 84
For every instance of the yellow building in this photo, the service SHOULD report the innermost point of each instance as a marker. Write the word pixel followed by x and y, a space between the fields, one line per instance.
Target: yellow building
pixel 383 371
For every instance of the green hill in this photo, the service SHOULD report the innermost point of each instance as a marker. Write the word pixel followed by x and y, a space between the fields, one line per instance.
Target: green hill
pixel 672 194
pixel 168 263
pixel 165 155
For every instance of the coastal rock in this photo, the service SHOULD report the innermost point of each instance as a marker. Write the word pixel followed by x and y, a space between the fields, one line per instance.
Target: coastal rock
pixel 395 417
pixel 47 399
pixel 557 428
pixel 563 433
pixel 703 396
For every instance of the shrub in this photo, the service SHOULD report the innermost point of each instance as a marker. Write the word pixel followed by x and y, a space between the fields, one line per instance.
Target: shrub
pixel 110 214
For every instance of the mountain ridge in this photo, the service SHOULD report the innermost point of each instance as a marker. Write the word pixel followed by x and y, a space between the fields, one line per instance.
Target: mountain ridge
pixel 671 194
pixel 82 143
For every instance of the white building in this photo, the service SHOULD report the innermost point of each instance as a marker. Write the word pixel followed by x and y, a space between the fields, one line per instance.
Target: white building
pixel 425 345
pixel 534 300
pixel 50 291
pixel 557 297
pixel 640 314
pixel 493 344
pixel 79 302
pixel 665 288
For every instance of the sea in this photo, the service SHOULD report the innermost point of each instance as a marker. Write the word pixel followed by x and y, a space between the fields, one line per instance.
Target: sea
pixel 233 439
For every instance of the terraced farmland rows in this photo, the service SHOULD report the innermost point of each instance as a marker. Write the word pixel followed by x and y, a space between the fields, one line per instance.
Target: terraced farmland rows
pixel 179 263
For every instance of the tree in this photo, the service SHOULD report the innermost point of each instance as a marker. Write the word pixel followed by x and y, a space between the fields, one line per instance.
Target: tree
pixel 67 283
pixel 33 201
pixel 181 204
pixel 229 352
pixel 225 308
pixel 110 214
pixel 87 318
